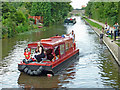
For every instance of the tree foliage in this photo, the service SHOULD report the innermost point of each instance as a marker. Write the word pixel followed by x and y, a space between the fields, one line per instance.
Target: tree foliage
pixel 52 12
pixel 15 15
pixel 103 11
pixel 118 13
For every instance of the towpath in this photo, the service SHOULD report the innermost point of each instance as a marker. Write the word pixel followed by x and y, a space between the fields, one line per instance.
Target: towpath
pixel 118 38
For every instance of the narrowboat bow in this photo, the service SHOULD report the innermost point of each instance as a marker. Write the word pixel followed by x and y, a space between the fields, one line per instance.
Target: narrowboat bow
pixel 63 52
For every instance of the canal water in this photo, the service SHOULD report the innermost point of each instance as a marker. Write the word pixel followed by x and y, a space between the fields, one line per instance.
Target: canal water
pixel 94 68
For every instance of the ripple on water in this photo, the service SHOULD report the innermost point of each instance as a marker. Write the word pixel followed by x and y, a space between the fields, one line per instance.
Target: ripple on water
pixel 95 67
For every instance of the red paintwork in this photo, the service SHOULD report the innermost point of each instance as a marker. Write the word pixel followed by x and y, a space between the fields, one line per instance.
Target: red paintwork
pixel 51 43
pixel 57 62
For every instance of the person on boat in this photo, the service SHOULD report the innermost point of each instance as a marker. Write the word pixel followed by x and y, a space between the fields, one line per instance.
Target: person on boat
pixel 40 52
pixel 27 56
pixel 72 35
pixel 49 54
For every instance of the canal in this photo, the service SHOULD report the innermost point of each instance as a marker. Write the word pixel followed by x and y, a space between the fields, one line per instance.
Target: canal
pixel 94 68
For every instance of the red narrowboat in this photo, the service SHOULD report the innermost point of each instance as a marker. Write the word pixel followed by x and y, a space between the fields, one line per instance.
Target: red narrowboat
pixel 61 48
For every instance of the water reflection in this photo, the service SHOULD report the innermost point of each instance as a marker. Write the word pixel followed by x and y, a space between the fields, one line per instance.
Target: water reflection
pixel 26 81
pixel 95 68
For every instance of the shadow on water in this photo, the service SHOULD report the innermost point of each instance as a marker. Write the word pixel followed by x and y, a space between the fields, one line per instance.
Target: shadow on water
pixel 95 67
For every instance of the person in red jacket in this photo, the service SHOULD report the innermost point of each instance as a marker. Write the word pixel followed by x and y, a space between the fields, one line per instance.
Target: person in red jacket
pixel 27 56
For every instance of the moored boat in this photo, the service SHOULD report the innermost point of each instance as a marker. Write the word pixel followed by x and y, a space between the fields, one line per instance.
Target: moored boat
pixel 40 26
pixel 70 20
pixel 63 52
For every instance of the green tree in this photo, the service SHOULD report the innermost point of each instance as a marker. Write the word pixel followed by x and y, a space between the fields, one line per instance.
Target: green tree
pixel 118 13
pixel 103 11
pixel 15 15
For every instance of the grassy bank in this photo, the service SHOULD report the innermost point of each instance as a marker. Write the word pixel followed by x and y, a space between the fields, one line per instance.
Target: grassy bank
pixel 100 28
pixel 93 24
pixel 118 44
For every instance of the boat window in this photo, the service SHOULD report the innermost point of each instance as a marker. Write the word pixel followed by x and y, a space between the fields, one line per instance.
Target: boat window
pixel 49 54
pixel 62 49
pixel 56 50
pixel 67 46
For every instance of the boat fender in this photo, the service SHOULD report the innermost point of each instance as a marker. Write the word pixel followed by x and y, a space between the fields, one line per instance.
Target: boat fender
pixel 35 72
pixel 25 70
pixel 39 71
pixel 29 72
pixel 49 75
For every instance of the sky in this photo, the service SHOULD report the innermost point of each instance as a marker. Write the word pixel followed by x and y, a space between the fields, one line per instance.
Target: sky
pixel 78 3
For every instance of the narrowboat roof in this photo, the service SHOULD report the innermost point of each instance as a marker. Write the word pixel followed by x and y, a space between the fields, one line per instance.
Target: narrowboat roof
pixel 50 42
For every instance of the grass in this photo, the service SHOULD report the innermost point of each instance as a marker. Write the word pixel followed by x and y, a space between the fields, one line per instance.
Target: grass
pixel 93 23
pixel 118 40
pixel 99 27
pixel 118 44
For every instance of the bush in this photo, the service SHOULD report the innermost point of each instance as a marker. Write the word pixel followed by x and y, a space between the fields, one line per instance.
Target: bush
pixel 31 19
pixel 4 32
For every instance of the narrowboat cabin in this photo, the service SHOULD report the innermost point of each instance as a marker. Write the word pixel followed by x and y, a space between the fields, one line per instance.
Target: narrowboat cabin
pixel 58 50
